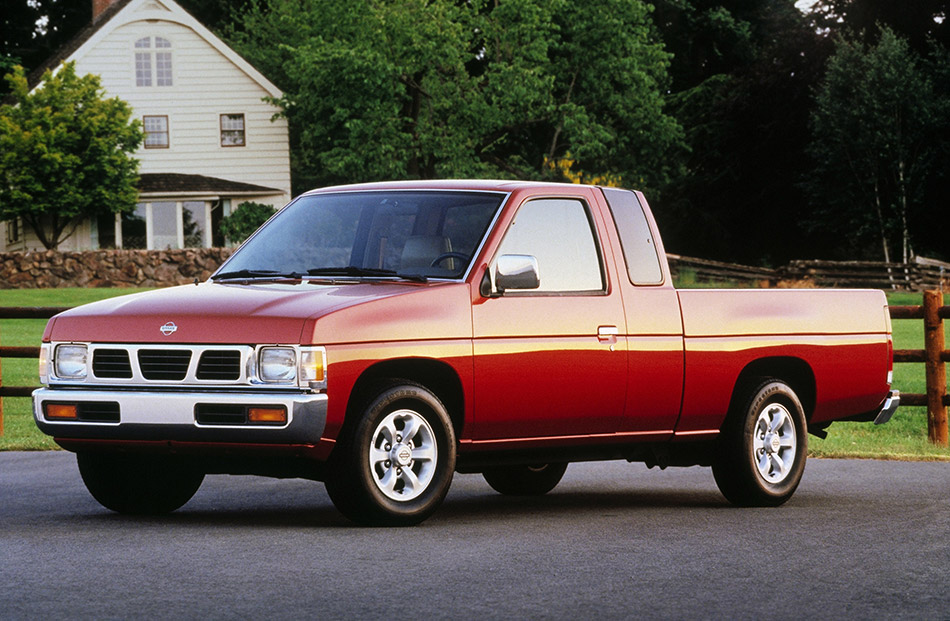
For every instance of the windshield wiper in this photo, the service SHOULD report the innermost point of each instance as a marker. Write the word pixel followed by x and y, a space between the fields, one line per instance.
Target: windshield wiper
pixel 352 270
pixel 255 274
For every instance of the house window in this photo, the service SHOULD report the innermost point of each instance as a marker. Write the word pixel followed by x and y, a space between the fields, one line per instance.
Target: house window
pixel 232 130
pixel 13 230
pixel 194 224
pixel 156 131
pixel 153 62
pixel 165 225
pixel 134 228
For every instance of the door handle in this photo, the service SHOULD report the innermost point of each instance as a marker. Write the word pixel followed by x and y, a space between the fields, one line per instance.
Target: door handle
pixel 607 333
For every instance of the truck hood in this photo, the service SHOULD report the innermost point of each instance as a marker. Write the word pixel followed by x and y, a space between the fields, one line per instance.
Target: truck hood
pixel 222 313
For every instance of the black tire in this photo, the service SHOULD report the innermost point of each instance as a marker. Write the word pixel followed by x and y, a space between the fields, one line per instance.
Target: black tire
pixel 138 484
pixel 376 476
pixel 762 447
pixel 525 480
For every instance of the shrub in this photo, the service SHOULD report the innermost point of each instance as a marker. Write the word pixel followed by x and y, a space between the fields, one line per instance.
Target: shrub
pixel 247 218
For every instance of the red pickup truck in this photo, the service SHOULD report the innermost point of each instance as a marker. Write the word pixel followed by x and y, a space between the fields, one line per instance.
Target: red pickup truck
pixel 381 337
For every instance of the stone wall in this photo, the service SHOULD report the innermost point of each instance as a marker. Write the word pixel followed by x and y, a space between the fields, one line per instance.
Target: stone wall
pixel 108 268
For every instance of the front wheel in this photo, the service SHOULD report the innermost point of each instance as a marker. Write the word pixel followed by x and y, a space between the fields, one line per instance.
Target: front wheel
pixel 138 484
pixel 763 447
pixel 395 467
pixel 525 480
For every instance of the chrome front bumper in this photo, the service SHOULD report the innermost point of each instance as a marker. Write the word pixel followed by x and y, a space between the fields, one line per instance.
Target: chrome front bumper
pixel 172 416
pixel 889 406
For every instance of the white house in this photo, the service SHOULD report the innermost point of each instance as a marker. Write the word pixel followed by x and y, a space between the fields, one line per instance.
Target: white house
pixel 211 140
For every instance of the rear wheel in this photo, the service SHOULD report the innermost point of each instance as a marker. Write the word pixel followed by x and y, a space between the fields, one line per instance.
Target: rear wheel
pixel 763 447
pixel 525 480
pixel 396 465
pixel 138 484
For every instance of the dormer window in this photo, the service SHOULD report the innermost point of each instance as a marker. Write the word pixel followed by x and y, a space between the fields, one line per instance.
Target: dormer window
pixel 153 62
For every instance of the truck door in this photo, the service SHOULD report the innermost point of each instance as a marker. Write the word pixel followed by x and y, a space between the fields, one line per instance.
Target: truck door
pixel 654 325
pixel 548 361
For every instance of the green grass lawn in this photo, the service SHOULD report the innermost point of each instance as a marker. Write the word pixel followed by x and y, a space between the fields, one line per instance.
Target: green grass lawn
pixel 905 437
pixel 20 432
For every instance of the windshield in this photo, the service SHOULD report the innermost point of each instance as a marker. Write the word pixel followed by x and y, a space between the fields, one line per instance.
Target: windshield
pixel 410 234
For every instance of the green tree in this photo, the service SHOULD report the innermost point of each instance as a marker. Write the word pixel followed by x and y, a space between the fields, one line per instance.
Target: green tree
pixel 247 218
pixel 743 73
pixel 439 88
pixel 65 153
pixel 874 124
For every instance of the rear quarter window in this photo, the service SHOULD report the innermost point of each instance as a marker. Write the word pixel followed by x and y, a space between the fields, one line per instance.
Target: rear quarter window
pixel 636 240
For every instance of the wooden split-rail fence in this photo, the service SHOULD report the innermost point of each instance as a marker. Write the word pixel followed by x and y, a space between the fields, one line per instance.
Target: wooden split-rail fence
pixel 934 356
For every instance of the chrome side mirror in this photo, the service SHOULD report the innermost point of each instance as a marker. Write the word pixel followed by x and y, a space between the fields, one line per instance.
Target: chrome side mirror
pixel 516 271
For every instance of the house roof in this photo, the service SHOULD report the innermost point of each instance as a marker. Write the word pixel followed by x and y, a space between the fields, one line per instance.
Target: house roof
pixel 158 185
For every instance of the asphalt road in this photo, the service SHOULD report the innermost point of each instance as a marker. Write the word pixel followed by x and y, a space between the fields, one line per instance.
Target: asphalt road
pixel 859 540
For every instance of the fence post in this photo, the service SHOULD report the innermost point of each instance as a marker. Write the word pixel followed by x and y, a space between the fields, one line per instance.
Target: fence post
pixel 1 398
pixel 935 368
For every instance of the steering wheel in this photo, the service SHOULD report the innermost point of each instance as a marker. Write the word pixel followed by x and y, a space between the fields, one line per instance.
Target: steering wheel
pixel 448 255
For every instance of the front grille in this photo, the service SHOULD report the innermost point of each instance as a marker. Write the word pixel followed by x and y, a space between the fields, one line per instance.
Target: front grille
pixel 219 365
pixel 112 363
pixel 98 411
pixel 164 364
pixel 133 364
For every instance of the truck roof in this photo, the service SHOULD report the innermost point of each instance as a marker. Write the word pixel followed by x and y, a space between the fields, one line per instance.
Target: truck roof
pixel 490 185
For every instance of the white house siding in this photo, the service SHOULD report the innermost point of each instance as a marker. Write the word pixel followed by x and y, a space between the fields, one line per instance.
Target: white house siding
pixel 205 85
pixel 208 80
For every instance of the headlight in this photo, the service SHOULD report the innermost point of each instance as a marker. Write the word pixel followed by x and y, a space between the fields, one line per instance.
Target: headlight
pixel 278 364
pixel 69 361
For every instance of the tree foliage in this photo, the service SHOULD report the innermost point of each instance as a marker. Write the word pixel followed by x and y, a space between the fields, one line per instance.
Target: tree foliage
pixel 243 221
pixel 65 153
pixel 742 72
pixel 438 88
pixel 709 105
pixel 920 22
pixel 33 29
pixel 874 121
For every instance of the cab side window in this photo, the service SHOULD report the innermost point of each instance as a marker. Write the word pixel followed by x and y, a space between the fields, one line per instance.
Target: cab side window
pixel 558 232
pixel 639 249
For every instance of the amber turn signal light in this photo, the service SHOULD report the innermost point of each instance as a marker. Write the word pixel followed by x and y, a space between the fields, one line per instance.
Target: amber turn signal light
pixel 61 410
pixel 267 415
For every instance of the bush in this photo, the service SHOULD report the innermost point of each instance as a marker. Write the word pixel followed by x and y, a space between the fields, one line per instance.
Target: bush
pixel 66 153
pixel 247 218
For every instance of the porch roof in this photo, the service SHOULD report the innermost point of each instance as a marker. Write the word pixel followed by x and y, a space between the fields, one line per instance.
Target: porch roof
pixel 177 185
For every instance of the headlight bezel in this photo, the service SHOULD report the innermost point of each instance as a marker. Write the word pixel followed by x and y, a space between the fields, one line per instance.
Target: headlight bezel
pixel 291 365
